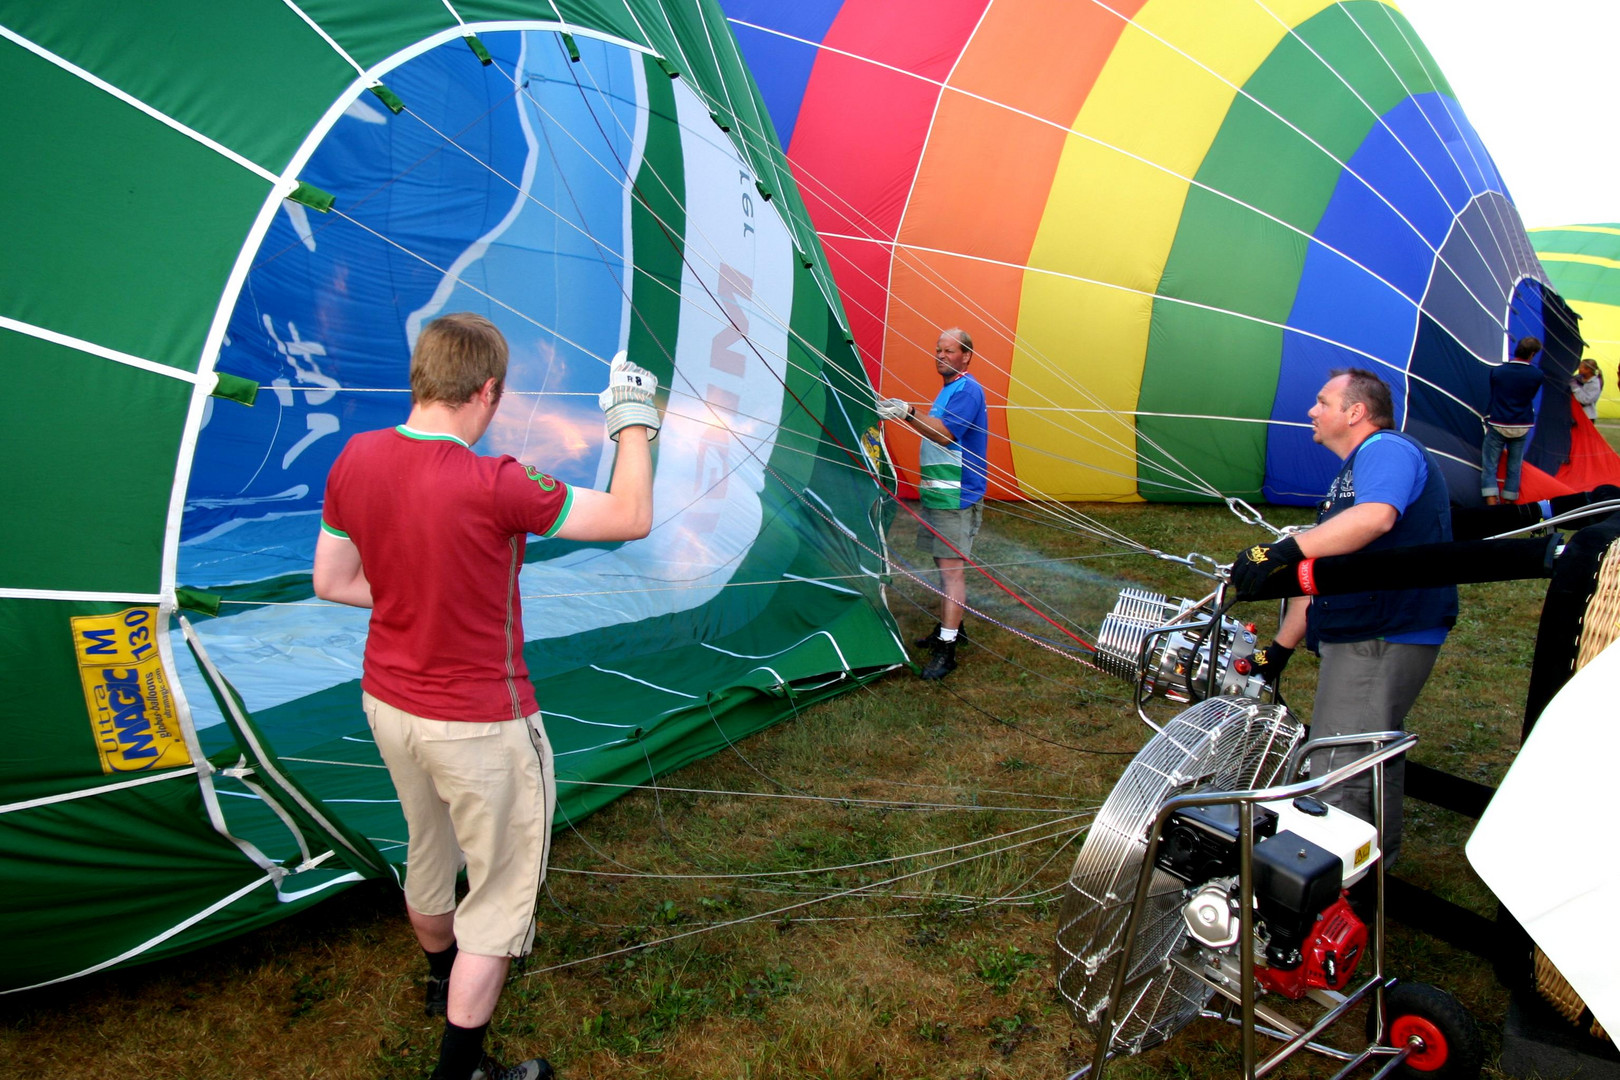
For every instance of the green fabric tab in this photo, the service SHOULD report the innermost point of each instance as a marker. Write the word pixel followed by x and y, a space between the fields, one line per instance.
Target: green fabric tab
pixel 196 600
pixel 313 197
pixel 669 69
pixel 573 49
pixel 388 98
pixel 235 388
pixel 764 192
pixel 478 50
pixel 720 120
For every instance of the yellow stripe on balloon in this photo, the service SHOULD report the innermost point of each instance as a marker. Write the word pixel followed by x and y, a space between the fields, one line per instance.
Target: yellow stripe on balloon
pixel 1569 257
pixel 1600 326
pixel 1111 218
pixel 1609 230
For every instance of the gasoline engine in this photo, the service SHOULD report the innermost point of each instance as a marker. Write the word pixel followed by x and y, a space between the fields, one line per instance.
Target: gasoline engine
pixel 1306 855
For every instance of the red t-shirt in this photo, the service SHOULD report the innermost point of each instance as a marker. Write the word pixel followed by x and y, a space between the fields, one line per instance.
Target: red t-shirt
pixel 441 533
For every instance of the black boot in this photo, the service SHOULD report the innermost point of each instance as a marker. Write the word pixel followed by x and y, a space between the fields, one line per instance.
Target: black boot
pixel 930 639
pixel 942 660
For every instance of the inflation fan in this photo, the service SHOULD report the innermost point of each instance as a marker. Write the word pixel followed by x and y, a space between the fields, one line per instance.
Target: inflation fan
pixel 1213 872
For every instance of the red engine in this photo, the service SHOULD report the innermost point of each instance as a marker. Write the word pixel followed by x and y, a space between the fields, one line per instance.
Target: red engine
pixel 1329 955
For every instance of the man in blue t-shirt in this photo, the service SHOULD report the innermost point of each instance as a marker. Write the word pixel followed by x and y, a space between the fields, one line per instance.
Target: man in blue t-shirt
pixel 1377 647
pixel 952 473
pixel 1509 416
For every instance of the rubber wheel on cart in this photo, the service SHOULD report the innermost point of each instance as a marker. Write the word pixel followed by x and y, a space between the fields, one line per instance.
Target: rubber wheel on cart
pixel 1452 1048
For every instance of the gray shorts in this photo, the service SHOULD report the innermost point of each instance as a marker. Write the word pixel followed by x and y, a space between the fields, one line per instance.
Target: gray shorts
pixel 957 526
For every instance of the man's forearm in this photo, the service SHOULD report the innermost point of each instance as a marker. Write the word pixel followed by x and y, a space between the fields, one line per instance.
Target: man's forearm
pixel 633 477
pixel 1292 630
pixel 625 510
pixel 931 428
pixel 1350 530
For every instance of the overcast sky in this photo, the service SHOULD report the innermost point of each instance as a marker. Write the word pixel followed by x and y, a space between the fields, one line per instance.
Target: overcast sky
pixel 1540 81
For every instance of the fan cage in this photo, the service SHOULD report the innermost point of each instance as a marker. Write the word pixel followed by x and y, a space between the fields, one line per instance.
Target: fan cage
pixel 1221 744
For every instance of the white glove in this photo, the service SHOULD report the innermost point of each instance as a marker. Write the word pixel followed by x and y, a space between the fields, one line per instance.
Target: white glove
pixel 893 409
pixel 628 399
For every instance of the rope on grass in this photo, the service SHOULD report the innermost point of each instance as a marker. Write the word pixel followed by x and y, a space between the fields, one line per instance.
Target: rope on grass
pixel 785 910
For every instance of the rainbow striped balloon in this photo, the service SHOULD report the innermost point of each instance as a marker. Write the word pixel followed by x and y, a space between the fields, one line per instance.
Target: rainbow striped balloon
pixel 1164 222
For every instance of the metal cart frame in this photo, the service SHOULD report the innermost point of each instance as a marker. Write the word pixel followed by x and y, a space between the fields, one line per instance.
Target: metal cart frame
pixel 1251 1017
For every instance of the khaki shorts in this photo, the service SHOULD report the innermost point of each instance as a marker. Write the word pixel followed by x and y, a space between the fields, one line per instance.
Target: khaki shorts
pixel 485 793
pixel 957 526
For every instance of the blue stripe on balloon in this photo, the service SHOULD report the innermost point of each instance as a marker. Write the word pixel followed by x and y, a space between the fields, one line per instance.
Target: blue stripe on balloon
pixel 1360 289
pixel 781 67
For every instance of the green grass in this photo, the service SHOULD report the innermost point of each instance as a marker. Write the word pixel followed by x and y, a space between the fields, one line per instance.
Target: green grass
pixel 865 907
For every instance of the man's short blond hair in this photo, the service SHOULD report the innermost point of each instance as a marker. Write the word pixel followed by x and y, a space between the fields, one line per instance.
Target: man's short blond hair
pixel 455 356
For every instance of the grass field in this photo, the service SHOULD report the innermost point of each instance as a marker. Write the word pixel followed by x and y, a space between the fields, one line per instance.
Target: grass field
pixel 869 889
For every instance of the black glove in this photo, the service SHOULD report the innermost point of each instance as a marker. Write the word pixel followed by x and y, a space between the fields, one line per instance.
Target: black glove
pixel 1270 661
pixel 1257 565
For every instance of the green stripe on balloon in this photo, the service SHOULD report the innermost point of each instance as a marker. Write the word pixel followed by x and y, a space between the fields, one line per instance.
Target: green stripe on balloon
pixel 1239 249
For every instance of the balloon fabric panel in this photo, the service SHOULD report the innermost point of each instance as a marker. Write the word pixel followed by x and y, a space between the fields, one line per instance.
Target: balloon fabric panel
pixel 780 64
pixel 862 192
pixel 999 117
pixel 133 232
pixel 1261 189
pixel 191 66
pixel 105 474
pixel 1361 287
pixel 166 201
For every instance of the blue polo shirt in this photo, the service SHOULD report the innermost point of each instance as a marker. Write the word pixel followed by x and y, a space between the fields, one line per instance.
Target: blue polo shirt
pixel 953 477
pixel 1392 468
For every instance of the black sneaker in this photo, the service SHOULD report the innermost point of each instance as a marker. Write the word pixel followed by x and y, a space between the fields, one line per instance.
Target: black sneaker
pixel 930 639
pixel 942 661
pixel 533 1069
pixel 436 999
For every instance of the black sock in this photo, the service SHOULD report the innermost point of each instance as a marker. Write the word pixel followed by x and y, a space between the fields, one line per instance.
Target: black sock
pixel 440 963
pixel 460 1052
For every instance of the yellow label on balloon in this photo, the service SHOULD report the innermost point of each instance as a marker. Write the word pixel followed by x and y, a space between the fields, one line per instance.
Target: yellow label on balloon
pixel 872 443
pixel 132 711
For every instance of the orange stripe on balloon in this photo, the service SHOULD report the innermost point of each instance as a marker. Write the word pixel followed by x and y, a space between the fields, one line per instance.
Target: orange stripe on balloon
pixel 862 122
pixel 979 127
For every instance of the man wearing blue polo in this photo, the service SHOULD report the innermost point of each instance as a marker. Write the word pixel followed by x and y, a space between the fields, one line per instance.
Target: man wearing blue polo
pixel 951 463
pixel 1377 647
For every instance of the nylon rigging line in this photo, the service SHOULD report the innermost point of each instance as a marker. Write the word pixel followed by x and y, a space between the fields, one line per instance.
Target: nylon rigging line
pixel 925 271
pixel 1117 445
pixel 831 436
pixel 776 912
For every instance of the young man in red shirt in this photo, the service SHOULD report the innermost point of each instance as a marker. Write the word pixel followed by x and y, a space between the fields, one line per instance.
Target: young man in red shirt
pixel 431 537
